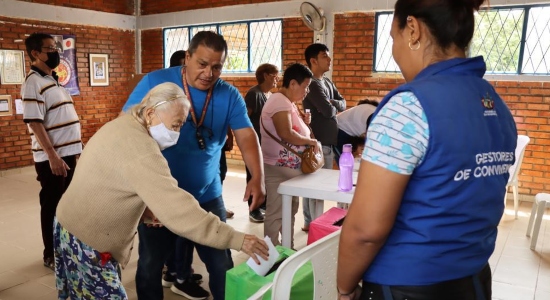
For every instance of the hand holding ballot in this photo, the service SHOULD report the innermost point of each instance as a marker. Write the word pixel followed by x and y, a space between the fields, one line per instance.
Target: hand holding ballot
pixel 253 246
pixel 262 266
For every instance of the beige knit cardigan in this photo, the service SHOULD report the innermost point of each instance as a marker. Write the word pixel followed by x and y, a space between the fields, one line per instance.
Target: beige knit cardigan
pixel 120 172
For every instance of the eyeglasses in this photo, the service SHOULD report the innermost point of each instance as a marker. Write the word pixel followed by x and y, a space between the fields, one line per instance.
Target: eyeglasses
pixel 52 49
pixel 200 138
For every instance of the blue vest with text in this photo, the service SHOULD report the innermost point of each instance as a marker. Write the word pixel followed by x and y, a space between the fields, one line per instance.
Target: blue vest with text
pixel 446 226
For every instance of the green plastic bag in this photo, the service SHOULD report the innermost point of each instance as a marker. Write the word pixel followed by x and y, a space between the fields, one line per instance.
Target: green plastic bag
pixel 242 282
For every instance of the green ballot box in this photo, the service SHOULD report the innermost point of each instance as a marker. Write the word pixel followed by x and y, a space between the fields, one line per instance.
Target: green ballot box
pixel 242 282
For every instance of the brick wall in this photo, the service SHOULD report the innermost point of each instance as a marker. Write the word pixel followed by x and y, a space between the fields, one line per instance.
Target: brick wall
pixel 125 7
pixel 95 105
pixel 243 84
pixel 352 73
pixel 296 37
pixel 352 56
pixel 528 101
pixel 149 7
pixel 152 56
pixel 530 105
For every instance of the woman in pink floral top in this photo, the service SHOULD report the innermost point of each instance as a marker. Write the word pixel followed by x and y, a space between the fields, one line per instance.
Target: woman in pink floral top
pixel 281 118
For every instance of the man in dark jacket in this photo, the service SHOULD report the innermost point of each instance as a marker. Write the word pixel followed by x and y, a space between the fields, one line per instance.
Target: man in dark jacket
pixel 324 102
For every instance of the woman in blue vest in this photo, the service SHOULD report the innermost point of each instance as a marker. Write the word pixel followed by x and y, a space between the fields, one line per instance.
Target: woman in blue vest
pixel 423 221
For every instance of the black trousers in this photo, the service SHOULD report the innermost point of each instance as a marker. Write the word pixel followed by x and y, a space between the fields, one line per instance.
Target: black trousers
pixel 476 287
pixel 53 188
pixel 223 166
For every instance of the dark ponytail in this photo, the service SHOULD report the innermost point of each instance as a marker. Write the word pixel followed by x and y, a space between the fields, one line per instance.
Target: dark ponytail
pixel 451 22
pixel 473 4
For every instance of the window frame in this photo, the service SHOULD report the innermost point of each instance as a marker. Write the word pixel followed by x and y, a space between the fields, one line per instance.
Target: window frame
pixel 375 52
pixel 498 75
pixel 218 31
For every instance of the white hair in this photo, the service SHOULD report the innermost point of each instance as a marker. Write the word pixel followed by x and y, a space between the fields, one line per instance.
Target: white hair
pixel 164 93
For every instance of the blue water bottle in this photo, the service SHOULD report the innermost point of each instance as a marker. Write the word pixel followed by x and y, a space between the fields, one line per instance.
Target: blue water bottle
pixel 345 182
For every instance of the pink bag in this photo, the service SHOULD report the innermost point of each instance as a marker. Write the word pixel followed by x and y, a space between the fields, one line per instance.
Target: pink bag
pixel 326 224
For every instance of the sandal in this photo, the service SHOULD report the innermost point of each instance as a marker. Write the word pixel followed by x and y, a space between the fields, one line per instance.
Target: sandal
pixel 49 262
pixel 229 214
pixel 305 228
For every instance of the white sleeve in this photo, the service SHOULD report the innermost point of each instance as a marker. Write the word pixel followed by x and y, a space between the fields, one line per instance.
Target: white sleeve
pixel 34 105
pixel 398 136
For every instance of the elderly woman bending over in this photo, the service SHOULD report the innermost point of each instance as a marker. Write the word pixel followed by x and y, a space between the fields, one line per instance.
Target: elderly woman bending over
pixel 281 122
pixel 121 172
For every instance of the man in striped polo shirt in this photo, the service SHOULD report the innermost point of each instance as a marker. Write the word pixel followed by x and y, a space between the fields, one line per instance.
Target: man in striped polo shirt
pixel 49 112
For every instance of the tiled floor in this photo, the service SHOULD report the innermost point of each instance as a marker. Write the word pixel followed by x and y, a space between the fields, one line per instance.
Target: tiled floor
pixel 518 273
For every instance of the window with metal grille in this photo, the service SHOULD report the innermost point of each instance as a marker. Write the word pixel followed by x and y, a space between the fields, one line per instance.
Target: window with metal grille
pixel 250 44
pixel 512 40
pixel 537 42
pixel 383 58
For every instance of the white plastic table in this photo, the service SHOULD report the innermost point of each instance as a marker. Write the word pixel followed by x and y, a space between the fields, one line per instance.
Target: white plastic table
pixel 322 184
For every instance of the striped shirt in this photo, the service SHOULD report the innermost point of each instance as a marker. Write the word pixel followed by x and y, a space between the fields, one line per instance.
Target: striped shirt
pixel 47 102
pixel 398 136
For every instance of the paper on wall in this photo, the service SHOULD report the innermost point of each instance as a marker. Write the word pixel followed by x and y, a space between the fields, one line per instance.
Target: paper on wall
pixel 18 107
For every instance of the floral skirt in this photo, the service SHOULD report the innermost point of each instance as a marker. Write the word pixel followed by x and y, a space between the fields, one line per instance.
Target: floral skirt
pixel 80 272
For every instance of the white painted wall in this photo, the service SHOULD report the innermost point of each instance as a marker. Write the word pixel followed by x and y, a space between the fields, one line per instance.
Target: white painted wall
pixel 59 14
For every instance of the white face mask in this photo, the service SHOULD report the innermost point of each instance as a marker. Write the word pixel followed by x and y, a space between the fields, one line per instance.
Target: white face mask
pixel 164 136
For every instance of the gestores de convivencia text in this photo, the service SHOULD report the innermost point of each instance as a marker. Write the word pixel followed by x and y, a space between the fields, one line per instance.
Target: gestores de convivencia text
pixel 488 164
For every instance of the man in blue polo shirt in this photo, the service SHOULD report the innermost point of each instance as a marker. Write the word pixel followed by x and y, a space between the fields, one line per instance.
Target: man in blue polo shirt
pixel 194 163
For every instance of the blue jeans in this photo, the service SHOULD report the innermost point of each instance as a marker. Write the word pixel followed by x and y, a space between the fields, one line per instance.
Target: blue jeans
pixel 156 245
pixel 217 261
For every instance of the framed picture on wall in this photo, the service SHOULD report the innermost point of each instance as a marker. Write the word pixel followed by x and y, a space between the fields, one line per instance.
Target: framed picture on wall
pixel 12 67
pixel 5 105
pixel 99 69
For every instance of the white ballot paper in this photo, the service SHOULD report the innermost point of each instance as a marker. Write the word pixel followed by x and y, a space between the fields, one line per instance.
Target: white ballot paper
pixel 264 265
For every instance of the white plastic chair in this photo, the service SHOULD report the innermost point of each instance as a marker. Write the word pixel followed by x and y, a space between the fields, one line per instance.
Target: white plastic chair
pixel 523 141
pixel 542 201
pixel 323 255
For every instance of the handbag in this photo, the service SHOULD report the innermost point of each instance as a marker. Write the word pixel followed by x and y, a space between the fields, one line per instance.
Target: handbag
pixel 312 160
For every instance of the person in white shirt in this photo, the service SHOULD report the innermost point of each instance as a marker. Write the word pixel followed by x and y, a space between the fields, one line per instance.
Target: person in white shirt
pixel 353 123
pixel 54 126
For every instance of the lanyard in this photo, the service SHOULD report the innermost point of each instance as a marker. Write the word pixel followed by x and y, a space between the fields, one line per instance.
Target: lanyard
pixel 192 108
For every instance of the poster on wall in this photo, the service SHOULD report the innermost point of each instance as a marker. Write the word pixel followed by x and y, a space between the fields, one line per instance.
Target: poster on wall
pixel 12 67
pixel 68 77
pixel 5 105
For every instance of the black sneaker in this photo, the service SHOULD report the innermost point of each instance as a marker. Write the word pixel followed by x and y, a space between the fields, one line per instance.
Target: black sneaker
pixel 168 279
pixel 189 289
pixel 256 216
pixel 196 278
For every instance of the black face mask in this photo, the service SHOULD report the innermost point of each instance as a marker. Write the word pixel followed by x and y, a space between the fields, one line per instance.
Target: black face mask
pixel 53 60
